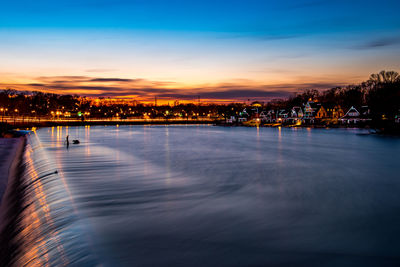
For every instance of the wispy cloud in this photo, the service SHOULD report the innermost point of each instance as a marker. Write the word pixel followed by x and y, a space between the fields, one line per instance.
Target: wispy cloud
pixel 378 43
pixel 100 70
pixel 113 80
pixel 146 90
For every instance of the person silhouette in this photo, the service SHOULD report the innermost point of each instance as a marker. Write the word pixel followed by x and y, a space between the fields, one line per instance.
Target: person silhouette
pixel 67 140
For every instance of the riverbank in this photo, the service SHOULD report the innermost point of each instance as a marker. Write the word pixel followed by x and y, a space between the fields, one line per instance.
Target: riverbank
pixel 25 123
pixel 35 209
pixel 10 154
pixel 288 125
pixel 380 127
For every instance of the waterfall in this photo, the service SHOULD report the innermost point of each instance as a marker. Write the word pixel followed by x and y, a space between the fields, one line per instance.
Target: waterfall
pixel 40 226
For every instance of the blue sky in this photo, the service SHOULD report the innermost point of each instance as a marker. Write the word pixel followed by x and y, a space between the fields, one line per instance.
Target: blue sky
pixel 252 17
pixel 199 45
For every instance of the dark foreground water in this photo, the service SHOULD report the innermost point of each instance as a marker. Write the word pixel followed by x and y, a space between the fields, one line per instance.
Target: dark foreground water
pixel 213 196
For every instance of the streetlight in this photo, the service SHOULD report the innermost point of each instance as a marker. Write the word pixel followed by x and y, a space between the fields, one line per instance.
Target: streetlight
pixel 16 111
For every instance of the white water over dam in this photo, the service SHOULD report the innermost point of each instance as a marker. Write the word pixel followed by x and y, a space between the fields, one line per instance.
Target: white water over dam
pixel 41 226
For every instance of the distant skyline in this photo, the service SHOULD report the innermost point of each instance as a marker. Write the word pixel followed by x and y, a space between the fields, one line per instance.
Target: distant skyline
pixel 221 50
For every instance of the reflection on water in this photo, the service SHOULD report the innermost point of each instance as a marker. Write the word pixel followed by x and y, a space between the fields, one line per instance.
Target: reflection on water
pixel 203 195
pixel 40 225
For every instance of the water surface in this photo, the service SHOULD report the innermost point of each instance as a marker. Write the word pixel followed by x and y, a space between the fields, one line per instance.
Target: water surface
pixel 215 196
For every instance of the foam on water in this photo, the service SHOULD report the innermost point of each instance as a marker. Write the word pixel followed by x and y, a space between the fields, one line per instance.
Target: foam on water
pixel 40 225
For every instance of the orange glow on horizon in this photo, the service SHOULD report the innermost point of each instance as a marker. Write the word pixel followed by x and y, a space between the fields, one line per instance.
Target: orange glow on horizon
pixel 145 91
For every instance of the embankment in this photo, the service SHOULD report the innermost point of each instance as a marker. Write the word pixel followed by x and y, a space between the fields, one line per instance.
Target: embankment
pixel 10 154
pixel 40 226
pixel 50 123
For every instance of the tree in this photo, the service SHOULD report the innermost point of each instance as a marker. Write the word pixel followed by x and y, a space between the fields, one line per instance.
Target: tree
pixel 383 96
pixel 351 96
pixel 384 77
pixel 331 96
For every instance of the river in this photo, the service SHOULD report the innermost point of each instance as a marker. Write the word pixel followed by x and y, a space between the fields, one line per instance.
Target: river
pixel 217 196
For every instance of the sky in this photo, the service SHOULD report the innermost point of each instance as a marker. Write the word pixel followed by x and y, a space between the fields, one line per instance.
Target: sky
pixel 220 50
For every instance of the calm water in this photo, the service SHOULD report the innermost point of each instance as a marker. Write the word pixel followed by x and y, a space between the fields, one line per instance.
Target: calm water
pixel 213 196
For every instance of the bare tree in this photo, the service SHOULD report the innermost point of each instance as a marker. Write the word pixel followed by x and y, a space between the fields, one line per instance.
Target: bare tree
pixel 384 77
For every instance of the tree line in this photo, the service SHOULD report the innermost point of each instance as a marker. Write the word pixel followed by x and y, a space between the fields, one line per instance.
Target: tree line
pixel 381 93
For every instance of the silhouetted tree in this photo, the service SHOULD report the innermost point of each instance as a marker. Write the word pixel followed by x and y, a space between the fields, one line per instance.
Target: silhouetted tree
pixel 383 96
pixel 384 77
pixel 351 96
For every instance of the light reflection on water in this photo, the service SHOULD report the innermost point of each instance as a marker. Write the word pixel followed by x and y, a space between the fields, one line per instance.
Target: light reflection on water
pixel 40 225
pixel 203 195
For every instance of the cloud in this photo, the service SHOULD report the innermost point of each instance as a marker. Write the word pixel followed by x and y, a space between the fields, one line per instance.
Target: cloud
pixel 379 43
pixel 113 80
pixel 143 89
pixel 230 94
pixel 81 79
pixel 260 34
pixel 62 79
pixel 101 70
pixel 36 84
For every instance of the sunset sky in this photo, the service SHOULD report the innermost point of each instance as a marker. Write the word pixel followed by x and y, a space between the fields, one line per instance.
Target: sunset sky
pixel 179 49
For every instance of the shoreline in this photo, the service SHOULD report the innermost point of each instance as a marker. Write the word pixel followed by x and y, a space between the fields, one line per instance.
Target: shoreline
pixel 25 202
pixel 12 132
pixel 11 150
pixel 10 197
pixel 28 124
pixel 382 129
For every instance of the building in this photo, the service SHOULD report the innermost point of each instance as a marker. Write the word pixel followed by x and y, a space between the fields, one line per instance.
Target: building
pixel 334 111
pixel 310 110
pixel 365 112
pixel 264 116
pixel 243 116
pixel 270 116
pixel 321 113
pixel 231 119
pixel 282 115
pixel 296 112
pixel 352 116
pixel 296 115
